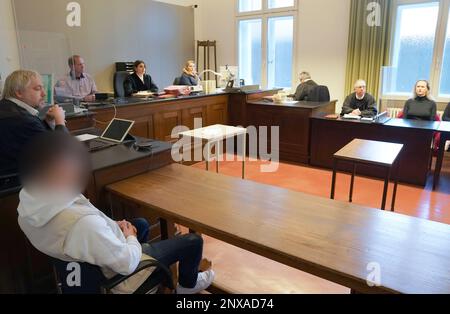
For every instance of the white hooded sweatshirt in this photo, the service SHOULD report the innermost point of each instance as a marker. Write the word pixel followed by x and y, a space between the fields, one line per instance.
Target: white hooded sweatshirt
pixel 75 231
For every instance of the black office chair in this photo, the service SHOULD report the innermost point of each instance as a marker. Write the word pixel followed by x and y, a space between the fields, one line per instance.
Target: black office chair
pixel 320 94
pixel 177 81
pixel 92 280
pixel 9 183
pixel 119 79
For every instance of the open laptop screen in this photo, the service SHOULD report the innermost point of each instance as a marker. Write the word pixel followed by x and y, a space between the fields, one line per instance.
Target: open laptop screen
pixel 117 130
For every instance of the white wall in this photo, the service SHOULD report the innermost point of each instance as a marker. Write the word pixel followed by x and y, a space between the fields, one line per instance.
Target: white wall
pixel 322 43
pixel 9 54
pixel 179 2
pixel 322 37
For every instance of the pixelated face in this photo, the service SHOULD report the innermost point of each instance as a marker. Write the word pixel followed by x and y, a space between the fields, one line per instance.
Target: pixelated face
pixel 60 181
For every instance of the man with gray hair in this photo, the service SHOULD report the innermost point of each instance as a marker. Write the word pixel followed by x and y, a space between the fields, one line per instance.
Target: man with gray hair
pixel 304 89
pixel 360 103
pixel 23 96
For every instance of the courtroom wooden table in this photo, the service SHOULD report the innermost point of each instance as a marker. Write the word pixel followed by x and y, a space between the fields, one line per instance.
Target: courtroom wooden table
pixel 157 118
pixel 215 135
pixel 444 128
pixel 328 136
pixel 293 121
pixel 373 153
pixel 82 120
pixel 337 241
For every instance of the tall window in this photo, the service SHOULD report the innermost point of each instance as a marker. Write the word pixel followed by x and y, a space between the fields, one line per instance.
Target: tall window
pixel 250 50
pixel 420 48
pixel 266 42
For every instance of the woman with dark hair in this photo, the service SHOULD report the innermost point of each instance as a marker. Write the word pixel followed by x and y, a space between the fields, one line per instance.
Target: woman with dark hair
pixel 421 107
pixel 139 80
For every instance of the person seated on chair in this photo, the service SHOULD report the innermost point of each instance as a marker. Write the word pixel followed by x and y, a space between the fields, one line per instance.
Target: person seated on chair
pixel 189 76
pixel 305 87
pixel 77 84
pixel 139 81
pixel 421 107
pixel 60 222
pixel 446 115
pixel 23 96
pixel 360 103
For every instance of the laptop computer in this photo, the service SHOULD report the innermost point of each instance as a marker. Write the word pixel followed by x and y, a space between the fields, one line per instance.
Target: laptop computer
pixel 114 134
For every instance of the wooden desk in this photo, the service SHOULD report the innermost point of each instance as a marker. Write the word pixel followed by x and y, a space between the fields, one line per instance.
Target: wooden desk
pixel 156 118
pixel 81 121
pixel 444 128
pixel 329 136
pixel 329 239
pixel 373 153
pixel 293 121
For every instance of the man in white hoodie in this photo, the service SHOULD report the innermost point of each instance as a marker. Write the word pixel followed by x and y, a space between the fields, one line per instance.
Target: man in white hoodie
pixel 60 222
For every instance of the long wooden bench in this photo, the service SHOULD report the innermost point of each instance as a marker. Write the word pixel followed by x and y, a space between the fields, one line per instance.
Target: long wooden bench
pixel 350 245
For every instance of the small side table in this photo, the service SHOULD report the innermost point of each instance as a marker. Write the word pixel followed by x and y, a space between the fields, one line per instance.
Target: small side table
pixel 371 153
pixel 214 135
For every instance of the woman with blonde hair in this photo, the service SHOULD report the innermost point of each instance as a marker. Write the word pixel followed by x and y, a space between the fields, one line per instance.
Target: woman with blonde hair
pixel 421 107
pixel 189 76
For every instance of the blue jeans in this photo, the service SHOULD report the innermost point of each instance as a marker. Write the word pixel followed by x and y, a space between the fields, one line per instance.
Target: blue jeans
pixel 186 249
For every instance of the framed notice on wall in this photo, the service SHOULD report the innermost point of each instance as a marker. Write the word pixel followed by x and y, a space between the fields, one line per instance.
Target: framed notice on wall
pixel 48 82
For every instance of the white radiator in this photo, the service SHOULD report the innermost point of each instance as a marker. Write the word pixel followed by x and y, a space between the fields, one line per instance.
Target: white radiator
pixel 394 112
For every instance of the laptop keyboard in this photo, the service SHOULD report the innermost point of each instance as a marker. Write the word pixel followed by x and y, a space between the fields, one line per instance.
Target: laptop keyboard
pixel 95 145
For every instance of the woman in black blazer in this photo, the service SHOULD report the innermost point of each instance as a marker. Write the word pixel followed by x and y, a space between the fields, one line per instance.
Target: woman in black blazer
pixel 139 81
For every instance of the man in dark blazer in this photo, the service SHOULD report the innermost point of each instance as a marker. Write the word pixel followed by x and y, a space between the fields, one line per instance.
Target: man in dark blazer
pixel 305 87
pixel 23 95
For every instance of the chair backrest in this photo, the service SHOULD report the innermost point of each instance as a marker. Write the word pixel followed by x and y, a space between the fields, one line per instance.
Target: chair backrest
pixel 84 278
pixel 9 183
pixel 177 81
pixel 78 278
pixel 119 79
pixel 319 93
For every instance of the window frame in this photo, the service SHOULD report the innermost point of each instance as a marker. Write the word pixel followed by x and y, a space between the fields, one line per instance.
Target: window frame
pixel 265 9
pixel 264 15
pixel 438 48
